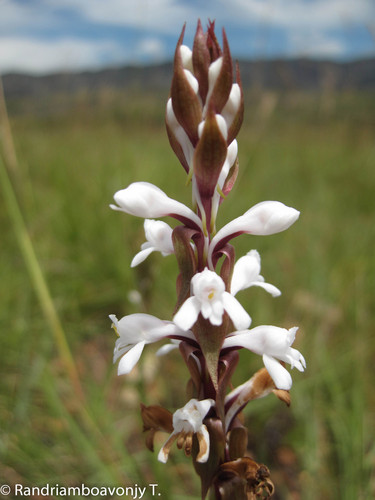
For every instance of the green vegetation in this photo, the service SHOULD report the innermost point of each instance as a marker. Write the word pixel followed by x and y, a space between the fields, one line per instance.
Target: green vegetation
pixel 313 152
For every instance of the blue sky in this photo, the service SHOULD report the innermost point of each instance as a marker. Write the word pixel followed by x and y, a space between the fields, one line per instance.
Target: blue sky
pixel 42 36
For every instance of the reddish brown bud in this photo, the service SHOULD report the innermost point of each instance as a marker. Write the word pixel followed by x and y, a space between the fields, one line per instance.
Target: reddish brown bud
pixel 201 61
pixel 176 146
pixel 185 102
pixel 209 156
pixel 222 85
pixel 237 120
pixel 212 43
pixel 231 179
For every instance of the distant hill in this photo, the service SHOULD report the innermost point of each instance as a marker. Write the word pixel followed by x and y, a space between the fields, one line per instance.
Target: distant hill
pixel 293 74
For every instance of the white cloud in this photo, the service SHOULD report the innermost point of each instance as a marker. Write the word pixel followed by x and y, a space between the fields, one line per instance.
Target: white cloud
pixel 315 45
pixel 34 33
pixel 301 14
pixel 151 49
pixel 167 16
pixel 36 56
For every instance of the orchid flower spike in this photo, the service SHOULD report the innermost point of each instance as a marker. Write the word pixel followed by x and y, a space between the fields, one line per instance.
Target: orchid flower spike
pixel 188 421
pixel 246 273
pixel 137 330
pixel 159 238
pixel 271 342
pixel 210 298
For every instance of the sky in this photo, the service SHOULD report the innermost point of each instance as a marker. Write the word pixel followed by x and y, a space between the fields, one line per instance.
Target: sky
pixel 45 36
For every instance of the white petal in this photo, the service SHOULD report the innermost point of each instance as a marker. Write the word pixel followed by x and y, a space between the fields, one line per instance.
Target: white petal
pixel 130 359
pixel 188 313
pixel 204 436
pixel 159 236
pixel 164 452
pixel 222 124
pixel 187 57
pixel 232 105
pixel 236 312
pixel 278 373
pixel 193 82
pixel 273 290
pixel 135 327
pixel 265 218
pixel 217 312
pixel 204 405
pixel 141 256
pixel 190 417
pixel 179 133
pixel 143 199
pixel 269 217
pixel 247 339
pixel 163 456
pixel 213 73
pixel 229 161
pixel 166 349
pixel 245 272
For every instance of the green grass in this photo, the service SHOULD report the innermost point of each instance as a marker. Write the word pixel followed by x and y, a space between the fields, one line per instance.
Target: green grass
pixel 315 153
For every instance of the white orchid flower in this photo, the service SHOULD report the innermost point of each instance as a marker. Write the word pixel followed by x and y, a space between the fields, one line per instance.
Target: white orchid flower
pixel 188 421
pixel 265 218
pixel 137 330
pixel 246 273
pixel 210 298
pixel 272 343
pixel 147 200
pixel 159 238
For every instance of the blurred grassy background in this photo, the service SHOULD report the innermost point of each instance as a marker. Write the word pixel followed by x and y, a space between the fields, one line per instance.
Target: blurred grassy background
pixel 315 152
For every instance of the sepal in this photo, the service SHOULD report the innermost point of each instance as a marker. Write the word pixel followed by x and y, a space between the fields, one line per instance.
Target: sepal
pixel 220 82
pixel 201 60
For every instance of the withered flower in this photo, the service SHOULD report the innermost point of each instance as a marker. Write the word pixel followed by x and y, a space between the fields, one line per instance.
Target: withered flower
pixel 155 418
pixel 246 474
pixel 188 421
